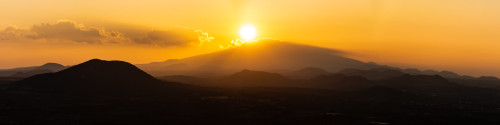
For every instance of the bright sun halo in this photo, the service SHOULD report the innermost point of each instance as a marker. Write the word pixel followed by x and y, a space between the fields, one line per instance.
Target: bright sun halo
pixel 248 32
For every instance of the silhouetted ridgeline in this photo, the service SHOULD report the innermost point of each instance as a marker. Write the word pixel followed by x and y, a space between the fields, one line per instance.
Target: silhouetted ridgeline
pixel 247 78
pixel 25 72
pixel 291 60
pixel 116 92
pixel 307 73
pixel 267 55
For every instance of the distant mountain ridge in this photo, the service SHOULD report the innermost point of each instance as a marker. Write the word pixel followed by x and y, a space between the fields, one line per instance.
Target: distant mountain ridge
pixel 446 74
pixel 373 74
pixel 31 73
pixel 248 78
pixel 307 73
pixel 340 82
pixel 24 72
pixel 264 55
pixel 275 56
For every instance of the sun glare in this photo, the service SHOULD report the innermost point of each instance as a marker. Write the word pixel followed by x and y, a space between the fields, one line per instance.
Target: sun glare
pixel 248 32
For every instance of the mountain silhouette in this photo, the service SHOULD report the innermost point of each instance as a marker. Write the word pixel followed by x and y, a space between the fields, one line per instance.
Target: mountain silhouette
pixel 492 78
pixel 421 80
pixel 429 84
pixel 248 78
pixel 307 73
pixel 381 94
pixel 185 79
pixel 93 76
pixel 482 82
pixel 446 74
pixel 51 66
pixel 340 82
pixel 373 74
pixel 449 74
pixel 31 73
pixel 264 55
pixel 24 72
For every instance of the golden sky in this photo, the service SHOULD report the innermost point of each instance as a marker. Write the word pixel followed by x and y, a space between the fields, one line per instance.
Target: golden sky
pixel 456 35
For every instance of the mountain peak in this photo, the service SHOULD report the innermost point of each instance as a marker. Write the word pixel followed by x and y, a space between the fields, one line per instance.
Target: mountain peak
pixel 97 61
pixel 254 78
pixel 54 67
pixel 307 73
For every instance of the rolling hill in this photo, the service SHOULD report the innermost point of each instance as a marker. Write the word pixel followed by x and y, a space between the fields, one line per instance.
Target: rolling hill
pixel 93 76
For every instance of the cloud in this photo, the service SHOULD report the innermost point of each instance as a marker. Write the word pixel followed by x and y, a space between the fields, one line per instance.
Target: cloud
pixel 71 31
pixel 175 37
pixel 63 30
pixel 12 32
pixel 68 31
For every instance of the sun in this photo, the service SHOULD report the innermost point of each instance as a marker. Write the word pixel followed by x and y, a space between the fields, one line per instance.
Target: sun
pixel 248 32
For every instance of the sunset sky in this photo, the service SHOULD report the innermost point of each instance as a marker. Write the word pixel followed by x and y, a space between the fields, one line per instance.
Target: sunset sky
pixel 456 35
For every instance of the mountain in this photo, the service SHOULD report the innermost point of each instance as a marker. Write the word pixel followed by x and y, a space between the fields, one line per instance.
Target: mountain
pixel 307 73
pixel 429 72
pixel 9 72
pixel 491 78
pixel 263 55
pixel 184 79
pixel 446 74
pixel 93 76
pixel 25 72
pixel 373 74
pixel 421 80
pixel 31 73
pixel 116 92
pixel 7 80
pixel 482 82
pixel 340 82
pixel 428 84
pixel 248 78
pixel 386 95
pixel 51 66
pixel 412 71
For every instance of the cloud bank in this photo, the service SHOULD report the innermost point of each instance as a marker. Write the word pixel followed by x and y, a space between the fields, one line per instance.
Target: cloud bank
pixel 175 37
pixel 74 32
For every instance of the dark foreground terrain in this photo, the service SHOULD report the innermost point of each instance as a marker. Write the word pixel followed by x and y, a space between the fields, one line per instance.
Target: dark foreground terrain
pixel 114 92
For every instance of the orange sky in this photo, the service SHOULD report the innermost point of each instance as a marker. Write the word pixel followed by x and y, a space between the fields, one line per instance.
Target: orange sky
pixel 456 35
